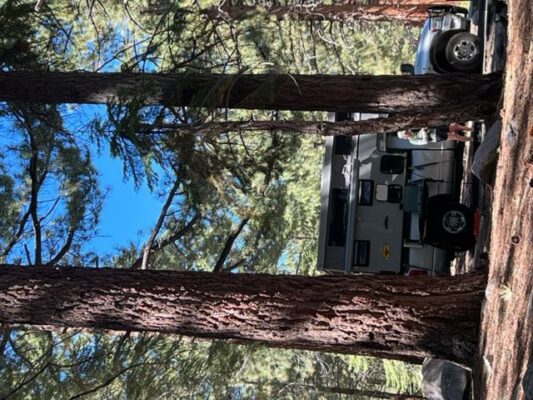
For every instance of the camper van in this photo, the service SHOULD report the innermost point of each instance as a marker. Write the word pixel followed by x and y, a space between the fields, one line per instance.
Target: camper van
pixel 389 206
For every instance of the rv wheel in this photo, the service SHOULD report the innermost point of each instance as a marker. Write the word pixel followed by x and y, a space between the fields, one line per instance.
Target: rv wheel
pixel 452 227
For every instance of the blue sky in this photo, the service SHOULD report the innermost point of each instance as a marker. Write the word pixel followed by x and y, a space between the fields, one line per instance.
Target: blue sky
pixel 126 211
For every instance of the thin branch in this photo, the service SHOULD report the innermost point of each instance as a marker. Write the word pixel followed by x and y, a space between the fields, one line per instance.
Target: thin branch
pixel 27 253
pixel 35 186
pixel 64 249
pixel 235 265
pixel 6 331
pixel 160 220
pixel 161 244
pixel 229 244
pixel 106 382
pixel 177 235
pixel 26 381
pixel 118 349
pixel 18 234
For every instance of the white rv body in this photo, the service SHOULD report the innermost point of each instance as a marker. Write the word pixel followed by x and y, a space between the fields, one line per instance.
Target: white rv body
pixel 374 196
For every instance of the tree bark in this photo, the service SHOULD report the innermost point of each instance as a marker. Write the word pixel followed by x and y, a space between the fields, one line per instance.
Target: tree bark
pixel 395 317
pixel 375 394
pixel 424 3
pixel 505 356
pixel 473 95
pixel 411 14
pixel 347 128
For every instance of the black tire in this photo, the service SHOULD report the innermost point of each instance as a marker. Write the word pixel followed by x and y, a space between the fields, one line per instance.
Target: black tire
pixel 451 226
pixel 463 52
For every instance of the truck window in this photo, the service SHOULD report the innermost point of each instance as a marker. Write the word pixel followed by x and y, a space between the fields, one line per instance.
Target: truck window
pixel 391 164
pixel 339 212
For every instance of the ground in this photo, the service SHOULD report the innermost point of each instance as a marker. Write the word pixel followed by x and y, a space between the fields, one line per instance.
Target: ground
pixel 504 368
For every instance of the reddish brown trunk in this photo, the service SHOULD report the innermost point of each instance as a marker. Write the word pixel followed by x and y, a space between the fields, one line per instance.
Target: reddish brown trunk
pixel 473 95
pixel 319 12
pixel 375 394
pixel 423 3
pixel 348 128
pixel 384 316
pixel 505 363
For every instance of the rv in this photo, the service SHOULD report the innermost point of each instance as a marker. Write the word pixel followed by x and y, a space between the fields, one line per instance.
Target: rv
pixel 389 206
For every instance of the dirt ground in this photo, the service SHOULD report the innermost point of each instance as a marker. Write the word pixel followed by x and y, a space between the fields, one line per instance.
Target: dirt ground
pixel 504 368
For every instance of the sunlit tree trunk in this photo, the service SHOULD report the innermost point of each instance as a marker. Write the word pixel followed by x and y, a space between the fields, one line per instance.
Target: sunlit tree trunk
pixel 473 95
pixel 384 316
pixel 411 14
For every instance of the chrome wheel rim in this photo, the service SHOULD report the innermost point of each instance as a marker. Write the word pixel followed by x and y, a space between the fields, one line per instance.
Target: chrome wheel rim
pixel 454 222
pixel 465 50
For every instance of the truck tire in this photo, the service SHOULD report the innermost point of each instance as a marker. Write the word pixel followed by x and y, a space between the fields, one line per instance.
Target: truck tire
pixel 450 227
pixel 463 52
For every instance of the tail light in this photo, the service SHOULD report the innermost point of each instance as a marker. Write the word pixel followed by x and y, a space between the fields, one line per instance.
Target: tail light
pixel 435 24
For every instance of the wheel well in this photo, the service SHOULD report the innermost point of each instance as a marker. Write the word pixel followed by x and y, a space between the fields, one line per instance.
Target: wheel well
pixel 440 199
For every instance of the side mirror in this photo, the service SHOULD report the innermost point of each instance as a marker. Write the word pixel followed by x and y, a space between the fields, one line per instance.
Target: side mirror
pixel 407 69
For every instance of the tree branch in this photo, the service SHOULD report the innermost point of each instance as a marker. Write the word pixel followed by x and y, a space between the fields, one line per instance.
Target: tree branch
pixel 18 234
pixel 34 200
pixel 64 249
pixel 160 220
pixel 159 245
pixel 106 382
pixel 229 244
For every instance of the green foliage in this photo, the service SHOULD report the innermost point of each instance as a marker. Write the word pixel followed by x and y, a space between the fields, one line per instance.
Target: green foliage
pixel 403 377
pixel 51 194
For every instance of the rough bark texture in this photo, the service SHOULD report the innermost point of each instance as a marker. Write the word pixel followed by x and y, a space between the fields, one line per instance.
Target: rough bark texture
pixel 411 14
pixel 367 393
pixel 505 363
pixel 425 3
pixel 474 95
pixel 385 316
pixel 348 128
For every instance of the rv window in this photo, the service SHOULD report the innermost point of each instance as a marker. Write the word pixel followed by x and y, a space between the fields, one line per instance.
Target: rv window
pixel 361 253
pixel 366 190
pixel 391 164
pixel 339 213
pixel 342 145
pixel 395 194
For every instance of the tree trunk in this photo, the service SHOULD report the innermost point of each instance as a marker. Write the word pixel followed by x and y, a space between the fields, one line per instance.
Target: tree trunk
pixel 395 317
pixel 411 14
pixel 505 357
pixel 375 394
pixel 348 128
pixel 423 3
pixel 473 95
